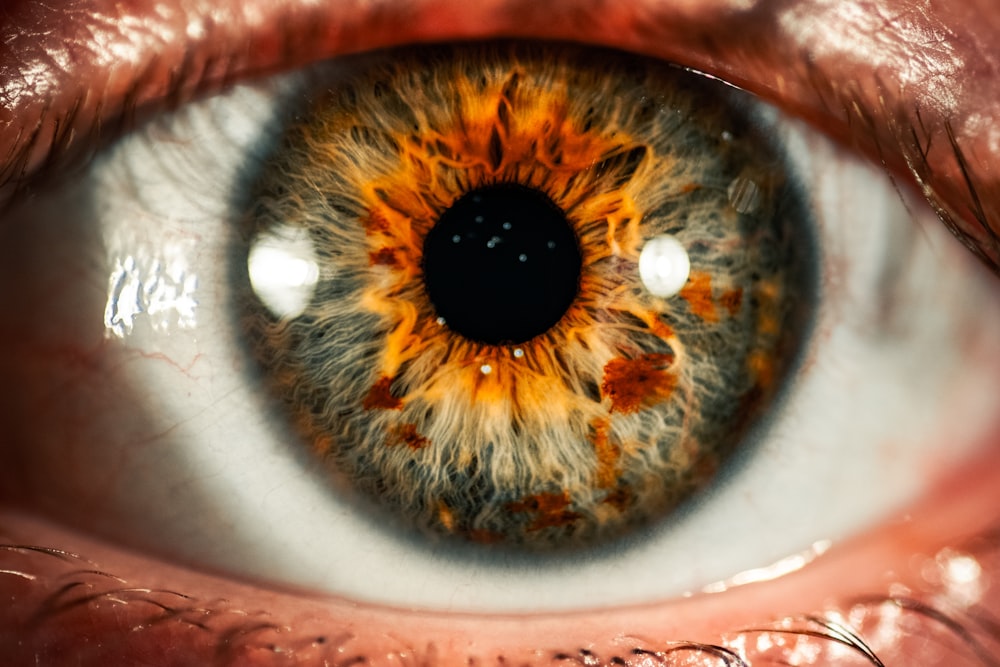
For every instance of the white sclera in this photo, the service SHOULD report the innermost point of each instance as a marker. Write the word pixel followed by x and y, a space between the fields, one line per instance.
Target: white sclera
pixel 194 462
pixel 664 265
pixel 283 271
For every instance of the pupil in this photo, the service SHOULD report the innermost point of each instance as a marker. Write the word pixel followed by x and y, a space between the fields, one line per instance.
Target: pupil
pixel 502 264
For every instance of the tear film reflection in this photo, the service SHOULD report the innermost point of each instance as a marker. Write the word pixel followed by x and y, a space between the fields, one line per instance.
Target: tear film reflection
pixel 478 349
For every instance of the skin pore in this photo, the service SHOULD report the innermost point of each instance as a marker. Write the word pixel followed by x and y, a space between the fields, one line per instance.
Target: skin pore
pixel 908 83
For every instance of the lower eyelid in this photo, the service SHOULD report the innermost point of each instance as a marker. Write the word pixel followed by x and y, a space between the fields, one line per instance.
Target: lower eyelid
pixel 198 615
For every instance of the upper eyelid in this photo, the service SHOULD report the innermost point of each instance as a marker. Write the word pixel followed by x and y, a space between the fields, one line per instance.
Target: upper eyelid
pixel 146 59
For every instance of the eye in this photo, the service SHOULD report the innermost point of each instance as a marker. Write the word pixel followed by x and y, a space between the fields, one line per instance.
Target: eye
pixel 180 427
pixel 178 380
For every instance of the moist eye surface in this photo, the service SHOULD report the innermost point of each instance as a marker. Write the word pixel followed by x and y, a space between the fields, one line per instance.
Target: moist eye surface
pixel 473 345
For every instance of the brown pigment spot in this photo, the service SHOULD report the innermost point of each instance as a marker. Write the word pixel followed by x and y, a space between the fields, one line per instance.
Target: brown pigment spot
pixel 698 294
pixel 732 300
pixel 607 454
pixel 632 384
pixel 375 222
pixel 705 469
pixel 409 436
pixel 550 509
pixel 380 396
pixel 762 366
pixel 484 536
pixel 750 404
pixel 620 498
pixel 322 444
pixel 383 257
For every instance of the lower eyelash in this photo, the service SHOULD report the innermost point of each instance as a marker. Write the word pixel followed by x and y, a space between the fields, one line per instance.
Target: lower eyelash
pixel 630 402
pixel 50 588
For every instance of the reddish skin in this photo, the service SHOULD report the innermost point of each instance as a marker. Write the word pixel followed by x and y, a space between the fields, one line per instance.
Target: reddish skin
pixel 58 44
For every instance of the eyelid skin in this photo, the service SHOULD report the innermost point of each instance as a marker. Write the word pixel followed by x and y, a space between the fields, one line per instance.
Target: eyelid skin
pixel 913 85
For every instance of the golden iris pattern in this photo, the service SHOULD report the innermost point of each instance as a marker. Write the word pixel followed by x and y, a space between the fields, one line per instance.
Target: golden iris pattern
pixel 625 406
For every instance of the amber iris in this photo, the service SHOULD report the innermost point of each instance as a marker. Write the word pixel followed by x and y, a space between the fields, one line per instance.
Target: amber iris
pixel 501 265
pixel 480 357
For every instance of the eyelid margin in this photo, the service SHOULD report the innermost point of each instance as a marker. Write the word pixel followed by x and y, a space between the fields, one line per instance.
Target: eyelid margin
pixel 160 54
pixel 146 599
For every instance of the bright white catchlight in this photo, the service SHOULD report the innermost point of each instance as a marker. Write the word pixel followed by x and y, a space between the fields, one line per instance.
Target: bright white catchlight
pixel 283 271
pixel 664 266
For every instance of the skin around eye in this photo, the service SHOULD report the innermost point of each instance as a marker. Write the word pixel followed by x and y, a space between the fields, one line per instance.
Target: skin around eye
pixel 925 535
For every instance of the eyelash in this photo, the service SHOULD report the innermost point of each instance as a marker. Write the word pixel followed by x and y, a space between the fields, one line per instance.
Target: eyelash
pixel 900 135
pixel 228 634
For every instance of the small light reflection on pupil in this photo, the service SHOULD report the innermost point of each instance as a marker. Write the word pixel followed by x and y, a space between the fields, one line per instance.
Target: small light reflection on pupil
pixel 502 264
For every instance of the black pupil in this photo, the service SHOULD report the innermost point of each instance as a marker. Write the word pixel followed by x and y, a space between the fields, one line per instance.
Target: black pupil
pixel 502 264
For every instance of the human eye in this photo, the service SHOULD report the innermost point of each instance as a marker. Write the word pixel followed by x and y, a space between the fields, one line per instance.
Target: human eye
pixel 907 577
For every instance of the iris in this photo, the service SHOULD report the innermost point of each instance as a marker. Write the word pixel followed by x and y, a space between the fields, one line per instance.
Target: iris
pixel 479 354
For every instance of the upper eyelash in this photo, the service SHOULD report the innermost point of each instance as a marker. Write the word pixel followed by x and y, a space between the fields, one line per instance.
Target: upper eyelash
pixel 915 155
pixel 913 140
pixel 70 144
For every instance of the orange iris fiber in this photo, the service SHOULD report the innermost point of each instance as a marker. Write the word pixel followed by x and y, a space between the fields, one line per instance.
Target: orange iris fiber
pixel 615 414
